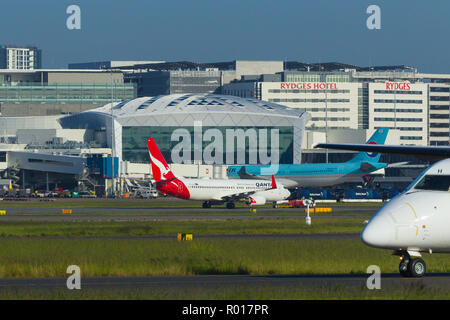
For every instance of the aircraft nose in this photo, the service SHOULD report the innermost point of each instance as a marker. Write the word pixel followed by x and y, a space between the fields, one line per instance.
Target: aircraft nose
pixel 379 232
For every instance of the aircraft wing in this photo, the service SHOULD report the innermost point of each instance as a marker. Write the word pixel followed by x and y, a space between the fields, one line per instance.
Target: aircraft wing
pixel 427 152
pixel 130 181
pixel 235 196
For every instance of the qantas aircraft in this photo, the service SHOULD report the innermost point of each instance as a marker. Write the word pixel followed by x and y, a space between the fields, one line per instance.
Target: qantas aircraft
pixel 213 191
pixel 418 219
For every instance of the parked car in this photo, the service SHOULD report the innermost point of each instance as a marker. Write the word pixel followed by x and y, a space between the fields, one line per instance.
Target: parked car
pixel 65 194
pixel 86 194
pixel 147 193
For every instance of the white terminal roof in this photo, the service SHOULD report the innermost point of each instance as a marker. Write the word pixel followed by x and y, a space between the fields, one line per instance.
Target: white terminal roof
pixel 194 103
pixel 187 109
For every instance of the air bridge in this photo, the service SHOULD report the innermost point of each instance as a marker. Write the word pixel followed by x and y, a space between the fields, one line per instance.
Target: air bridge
pixel 47 162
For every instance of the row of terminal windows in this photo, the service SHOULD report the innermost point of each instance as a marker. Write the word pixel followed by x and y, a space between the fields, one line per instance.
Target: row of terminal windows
pixel 398 110
pixel 309 100
pixel 51 162
pixel 222 187
pixel 404 129
pixel 397 101
pixel 439 116
pixel 439 134
pixel 439 107
pixel 329 127
pixel 338 78
pixel 331 119
pixel 325 109
pixel 410 138
pixel 307 91
pixel 439 89
pixel 410 129
pixel 436 98
pixel 439 125
pixel 396 92
pixel 302 78
pixel 399 119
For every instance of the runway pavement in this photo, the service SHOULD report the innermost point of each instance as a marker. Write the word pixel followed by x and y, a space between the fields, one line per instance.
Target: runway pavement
pixel 179 213
pixel 437 280
pixel 162 209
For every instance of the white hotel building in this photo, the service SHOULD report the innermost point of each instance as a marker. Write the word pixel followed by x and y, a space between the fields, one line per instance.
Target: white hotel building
pixel 402 106
pixel 415 104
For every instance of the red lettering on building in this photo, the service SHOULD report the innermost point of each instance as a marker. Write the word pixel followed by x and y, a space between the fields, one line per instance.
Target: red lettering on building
pixel 309 85
pixel 404 86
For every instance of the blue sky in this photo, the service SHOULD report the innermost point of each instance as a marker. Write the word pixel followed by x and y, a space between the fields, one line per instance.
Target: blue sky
pixel 412 32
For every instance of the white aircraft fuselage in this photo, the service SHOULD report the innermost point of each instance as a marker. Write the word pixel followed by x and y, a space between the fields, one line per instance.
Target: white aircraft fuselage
pixel 216 189
pixel 415 221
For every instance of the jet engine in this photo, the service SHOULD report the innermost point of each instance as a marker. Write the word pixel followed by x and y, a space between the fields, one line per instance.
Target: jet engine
pixel 256 200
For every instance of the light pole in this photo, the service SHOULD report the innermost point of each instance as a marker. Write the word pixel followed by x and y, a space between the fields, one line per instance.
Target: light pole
pixel 113 187
pixel 326 120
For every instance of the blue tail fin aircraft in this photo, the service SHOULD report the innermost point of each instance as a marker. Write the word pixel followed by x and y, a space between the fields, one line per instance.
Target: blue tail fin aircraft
pixel 318 174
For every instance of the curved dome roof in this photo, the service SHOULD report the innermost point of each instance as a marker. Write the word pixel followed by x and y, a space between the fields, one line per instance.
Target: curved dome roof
pixel 194 103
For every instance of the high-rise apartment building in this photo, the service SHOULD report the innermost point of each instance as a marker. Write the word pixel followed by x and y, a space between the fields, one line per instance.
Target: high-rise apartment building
pixel 20 58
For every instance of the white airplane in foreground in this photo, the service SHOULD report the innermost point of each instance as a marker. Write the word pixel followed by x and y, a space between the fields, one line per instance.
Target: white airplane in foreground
pixel 418 219
pixel 213 191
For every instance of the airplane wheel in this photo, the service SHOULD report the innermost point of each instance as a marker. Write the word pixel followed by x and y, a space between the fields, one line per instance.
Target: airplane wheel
pixel 230 205
pixel 206 205
pixel 417 268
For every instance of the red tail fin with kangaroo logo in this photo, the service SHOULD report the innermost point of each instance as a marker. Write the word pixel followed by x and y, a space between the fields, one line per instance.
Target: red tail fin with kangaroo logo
pixel 160 168
pixel 274 184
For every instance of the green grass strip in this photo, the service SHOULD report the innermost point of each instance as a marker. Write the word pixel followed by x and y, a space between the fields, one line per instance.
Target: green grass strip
pixel 172 227
pixel 31 258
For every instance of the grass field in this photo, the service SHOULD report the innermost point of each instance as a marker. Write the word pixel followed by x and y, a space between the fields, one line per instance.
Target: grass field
pixel 28 258
pixel 172 227
pixel 204 213
pixel 34 249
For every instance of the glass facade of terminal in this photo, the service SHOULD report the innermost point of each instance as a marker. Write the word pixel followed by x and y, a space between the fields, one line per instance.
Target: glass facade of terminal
pixel 316 77
pixel 301 77
pixel 257 145
pixel 70 93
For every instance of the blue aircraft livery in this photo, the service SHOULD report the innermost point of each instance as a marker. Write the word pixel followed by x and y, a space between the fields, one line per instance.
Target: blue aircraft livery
pixel 318 174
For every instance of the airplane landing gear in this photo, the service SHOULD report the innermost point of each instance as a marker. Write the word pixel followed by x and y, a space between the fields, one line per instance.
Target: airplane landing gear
pixel 412 268
pixel 206 204
pixel 403 267
pixel 230 205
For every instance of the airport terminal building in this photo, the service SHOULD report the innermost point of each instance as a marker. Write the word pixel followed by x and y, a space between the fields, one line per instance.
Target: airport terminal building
pixel 197 129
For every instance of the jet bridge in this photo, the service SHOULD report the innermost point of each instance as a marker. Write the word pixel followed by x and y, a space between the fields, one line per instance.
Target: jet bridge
pixel 47 162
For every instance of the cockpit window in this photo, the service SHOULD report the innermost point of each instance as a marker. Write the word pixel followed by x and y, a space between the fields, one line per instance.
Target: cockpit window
pixel 434 182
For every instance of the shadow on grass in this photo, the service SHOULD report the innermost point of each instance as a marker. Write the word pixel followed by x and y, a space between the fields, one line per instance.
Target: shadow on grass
pixel 215 270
